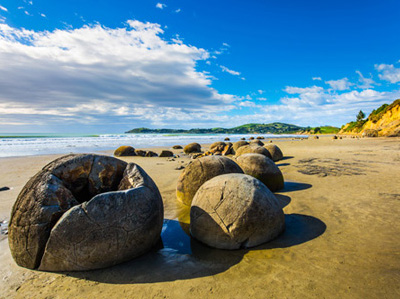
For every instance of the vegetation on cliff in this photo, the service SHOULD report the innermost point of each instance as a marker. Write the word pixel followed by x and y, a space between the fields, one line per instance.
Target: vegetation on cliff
pixel 385 121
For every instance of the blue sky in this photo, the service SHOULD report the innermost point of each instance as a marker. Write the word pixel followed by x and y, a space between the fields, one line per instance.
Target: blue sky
pixel 109 66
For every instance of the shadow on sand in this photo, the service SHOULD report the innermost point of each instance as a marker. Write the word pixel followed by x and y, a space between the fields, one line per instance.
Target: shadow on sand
pixel 179 256
pixel 294 186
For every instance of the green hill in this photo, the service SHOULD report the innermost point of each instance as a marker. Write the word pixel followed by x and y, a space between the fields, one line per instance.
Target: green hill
pixel 272 128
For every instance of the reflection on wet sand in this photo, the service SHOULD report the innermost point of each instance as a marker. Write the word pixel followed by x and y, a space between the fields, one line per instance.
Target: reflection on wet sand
pixel 179 256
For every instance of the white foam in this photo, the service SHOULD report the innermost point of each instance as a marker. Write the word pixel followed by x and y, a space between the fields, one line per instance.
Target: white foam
pixel 10 147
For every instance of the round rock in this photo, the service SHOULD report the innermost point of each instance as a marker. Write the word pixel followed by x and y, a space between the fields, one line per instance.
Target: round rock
pixel 192 148
pixel 262 168
pixel 199 171
pixel 83 212
pixel 235 211
pixel 252 149
pixel 125 150
pixel 275 151
pixel 238 144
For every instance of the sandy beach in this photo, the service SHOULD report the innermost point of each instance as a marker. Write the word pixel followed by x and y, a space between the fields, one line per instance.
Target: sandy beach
pixel 342 207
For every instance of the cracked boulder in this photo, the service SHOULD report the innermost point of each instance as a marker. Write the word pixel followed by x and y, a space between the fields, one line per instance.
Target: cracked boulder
pixel 235 211
pixel 199 171
pixel 275 151
pixel 83 212
pixel 262 168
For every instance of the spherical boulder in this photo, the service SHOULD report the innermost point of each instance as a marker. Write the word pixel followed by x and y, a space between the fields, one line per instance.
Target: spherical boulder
pixel 125 150
pixel 199 171
pixel 192 148
pixel 177 147
pixel 262 168
pixel 166 153
pixel 275 151
pixel 257 142
pixel 252 149
pixel 233 211
pixel 151 154
pixel 227 139
pixel 140 153
pixel 83 212
pixel 238 144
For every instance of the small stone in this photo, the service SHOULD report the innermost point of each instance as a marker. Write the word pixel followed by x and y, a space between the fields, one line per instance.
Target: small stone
pixel 4 188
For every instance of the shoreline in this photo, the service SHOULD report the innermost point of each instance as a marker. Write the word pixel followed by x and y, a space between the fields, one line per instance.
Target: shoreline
pixel 341 203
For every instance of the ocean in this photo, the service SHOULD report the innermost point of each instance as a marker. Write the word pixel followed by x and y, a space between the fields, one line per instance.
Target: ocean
pixel 14 145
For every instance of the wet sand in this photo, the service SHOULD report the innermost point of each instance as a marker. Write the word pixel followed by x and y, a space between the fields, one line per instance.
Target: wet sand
pixel 342 206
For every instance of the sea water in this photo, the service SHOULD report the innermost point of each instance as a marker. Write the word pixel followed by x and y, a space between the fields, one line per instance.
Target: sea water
pixel 12 145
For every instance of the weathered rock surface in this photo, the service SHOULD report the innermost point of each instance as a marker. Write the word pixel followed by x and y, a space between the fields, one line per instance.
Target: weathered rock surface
pixel 124 150
pixel 238 144
pixel 257 142
pixel 166 153
pixel 151 154
pixel 370 133
pixel 221 148
pixel 275 151
pixel 252 149
pixel 140 153
pixel 192 148
pixel 177 147
pixel 201 170
pixel 262 168
pixel 235 211
pixel 69 213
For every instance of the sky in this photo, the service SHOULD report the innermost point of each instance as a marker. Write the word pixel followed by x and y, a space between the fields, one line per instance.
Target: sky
pixel 110 66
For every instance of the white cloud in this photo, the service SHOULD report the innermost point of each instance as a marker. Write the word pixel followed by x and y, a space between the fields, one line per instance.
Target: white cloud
pixel 43 15
pixel 317 78
pixel 3 8
pixel 262 99
pixel 178 10
pixel 341 84
pixel 161 5
pixel 121 75
pixel 27 13
pixel 260 91
pixel 365 83
pixel 225 44
pixel 388 72
pixel 229 71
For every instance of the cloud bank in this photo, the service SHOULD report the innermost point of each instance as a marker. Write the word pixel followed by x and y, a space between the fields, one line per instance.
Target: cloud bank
pixel 88 74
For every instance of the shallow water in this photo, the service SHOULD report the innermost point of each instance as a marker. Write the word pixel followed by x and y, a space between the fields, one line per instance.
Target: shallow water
pixel 12 145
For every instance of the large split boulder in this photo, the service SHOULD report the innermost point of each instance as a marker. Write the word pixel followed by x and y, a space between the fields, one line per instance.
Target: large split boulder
pixel 124 150
pixel 199 171
pixel 275 151
pixel 252 149
pixel 192 148
pixel 262 168
pixel 235 211
pixel 221 148
pixel 84 212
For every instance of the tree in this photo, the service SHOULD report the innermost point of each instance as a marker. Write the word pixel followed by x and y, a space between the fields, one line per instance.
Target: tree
pixel 360 116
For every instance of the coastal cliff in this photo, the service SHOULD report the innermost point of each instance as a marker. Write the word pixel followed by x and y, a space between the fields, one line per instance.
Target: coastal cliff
pixel 384 121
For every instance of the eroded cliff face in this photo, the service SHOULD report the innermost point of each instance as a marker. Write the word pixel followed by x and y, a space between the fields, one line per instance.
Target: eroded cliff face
pixel 385 121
